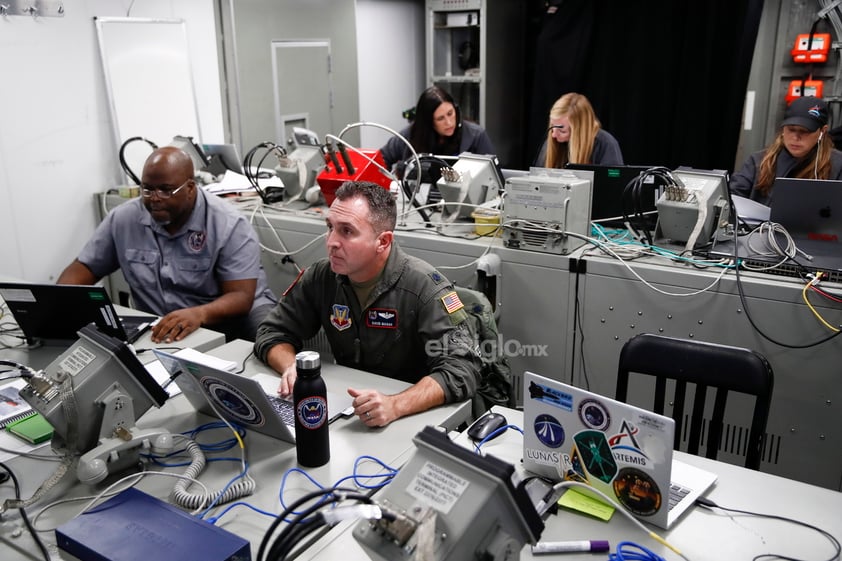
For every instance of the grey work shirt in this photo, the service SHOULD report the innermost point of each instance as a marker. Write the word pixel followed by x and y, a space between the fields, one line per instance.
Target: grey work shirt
pixel 406 333
pixel 168 272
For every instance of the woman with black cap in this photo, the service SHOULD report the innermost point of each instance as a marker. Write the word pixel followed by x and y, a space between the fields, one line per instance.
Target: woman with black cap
pixel 802 149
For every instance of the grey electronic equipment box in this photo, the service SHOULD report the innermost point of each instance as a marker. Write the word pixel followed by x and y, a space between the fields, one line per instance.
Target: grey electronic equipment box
pixel 472 180
pixel 548 210
pixel 696 209
pixel 450 504
pixel 92 394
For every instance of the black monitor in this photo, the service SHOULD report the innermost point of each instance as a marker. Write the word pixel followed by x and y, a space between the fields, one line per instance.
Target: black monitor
pixel 612 195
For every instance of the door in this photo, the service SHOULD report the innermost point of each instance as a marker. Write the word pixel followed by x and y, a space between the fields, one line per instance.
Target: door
pixel 302 83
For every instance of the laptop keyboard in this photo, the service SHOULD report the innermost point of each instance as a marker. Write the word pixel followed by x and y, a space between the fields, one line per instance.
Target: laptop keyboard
pixel 284 409
pixel 677 494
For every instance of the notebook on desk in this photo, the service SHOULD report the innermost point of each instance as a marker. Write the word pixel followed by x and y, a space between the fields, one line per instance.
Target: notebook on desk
pixel 250 402
pixel 622 450
pixel 52 314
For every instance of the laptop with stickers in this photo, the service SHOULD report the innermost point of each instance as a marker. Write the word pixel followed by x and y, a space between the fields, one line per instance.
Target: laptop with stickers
pixel 251 403
pixel 622 450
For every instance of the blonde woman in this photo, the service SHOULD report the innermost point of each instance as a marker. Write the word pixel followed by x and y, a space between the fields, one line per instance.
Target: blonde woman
pixel 575 136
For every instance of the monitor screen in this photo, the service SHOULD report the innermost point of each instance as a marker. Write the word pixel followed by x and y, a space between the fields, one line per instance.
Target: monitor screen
pixel 611 199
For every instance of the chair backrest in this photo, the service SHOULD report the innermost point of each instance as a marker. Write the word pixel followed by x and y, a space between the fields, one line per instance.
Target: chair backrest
pixel 704 365
pixel 496 385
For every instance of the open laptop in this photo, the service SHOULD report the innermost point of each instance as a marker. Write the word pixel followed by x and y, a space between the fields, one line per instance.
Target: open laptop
pixel 51 314
pixel 609 196
pixel 622 450
pixel 811 212
pixel 251 403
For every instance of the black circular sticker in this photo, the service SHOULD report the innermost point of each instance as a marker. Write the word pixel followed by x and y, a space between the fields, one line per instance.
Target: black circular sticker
pixel 594 415
pixel 637 491
pixel 233 401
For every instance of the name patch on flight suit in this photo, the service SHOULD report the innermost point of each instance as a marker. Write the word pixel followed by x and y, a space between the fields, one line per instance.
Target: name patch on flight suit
pixel 340 317
pixel 382 318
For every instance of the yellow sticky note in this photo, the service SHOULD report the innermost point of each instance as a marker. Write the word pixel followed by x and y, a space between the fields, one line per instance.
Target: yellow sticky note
pixel 577 500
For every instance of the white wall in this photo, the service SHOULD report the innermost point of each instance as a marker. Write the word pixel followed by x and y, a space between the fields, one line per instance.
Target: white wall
pixel 56 141
pixel 390 38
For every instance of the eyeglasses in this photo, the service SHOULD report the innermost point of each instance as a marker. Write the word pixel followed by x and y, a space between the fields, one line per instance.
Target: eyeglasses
pixel 162 192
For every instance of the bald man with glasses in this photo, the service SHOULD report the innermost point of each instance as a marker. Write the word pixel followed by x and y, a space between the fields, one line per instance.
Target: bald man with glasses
pixel 189 257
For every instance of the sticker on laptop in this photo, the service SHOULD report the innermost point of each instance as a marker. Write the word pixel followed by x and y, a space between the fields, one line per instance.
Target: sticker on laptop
pixel 594 414
pixel 549 431
pixel 551 396
pixel 597 457
pixel 637 491
pixel 232 400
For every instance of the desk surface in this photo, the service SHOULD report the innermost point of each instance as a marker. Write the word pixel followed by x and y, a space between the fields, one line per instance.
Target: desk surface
pixel 269 460
pixel 702 535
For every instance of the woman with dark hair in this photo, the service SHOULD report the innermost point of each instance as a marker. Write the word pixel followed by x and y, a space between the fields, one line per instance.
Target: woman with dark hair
pixel 437 129
pixel 575 136
pixel 801 149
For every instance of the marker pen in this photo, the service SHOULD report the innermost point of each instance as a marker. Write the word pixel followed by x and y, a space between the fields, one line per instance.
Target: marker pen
pixel 572 546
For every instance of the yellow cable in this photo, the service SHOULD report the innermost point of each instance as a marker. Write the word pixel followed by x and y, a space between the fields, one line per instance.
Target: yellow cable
pixel 809 305
pixel 664 542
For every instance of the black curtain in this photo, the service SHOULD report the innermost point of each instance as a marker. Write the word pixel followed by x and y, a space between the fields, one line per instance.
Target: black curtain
pixel 667 78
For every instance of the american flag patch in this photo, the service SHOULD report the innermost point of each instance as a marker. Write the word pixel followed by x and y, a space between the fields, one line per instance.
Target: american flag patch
pixel 451 302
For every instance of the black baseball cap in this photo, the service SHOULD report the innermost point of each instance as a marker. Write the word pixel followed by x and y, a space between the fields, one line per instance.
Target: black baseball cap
pixel 808 112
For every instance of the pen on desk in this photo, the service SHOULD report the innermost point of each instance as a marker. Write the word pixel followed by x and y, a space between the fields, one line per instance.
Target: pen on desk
pixel 571 546
pixel 171 379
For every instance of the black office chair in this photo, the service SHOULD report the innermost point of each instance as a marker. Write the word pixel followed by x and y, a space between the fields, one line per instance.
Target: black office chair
pixel 704 365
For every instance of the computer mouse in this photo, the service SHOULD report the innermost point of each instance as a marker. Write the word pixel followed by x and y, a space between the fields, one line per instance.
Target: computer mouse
pixel 485 425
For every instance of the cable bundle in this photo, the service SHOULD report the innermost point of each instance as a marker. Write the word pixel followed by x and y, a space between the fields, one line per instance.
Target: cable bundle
pixel 301 526
pixel 252 172
pixel 634 192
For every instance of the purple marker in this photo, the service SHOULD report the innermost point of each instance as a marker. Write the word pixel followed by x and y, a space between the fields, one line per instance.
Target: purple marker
pixel 572 546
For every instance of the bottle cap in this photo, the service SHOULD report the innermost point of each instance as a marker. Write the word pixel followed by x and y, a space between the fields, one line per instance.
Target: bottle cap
pixel 307 360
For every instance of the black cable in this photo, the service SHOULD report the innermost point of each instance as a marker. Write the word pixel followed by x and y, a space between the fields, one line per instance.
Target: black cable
pixel 252 172
pixel 23 515
pixel 122 156
pixel 291 508
pixel 302 526
pixel 744 301
pixel 704 502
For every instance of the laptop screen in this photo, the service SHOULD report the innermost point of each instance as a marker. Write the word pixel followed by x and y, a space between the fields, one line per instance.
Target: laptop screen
pixel 54 313
pixel 808 208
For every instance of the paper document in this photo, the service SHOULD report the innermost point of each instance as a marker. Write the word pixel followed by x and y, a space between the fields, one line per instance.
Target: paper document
pixel 233 182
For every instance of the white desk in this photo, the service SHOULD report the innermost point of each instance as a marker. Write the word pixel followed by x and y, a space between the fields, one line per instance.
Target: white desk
pixel 701 535
pixel 268 459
